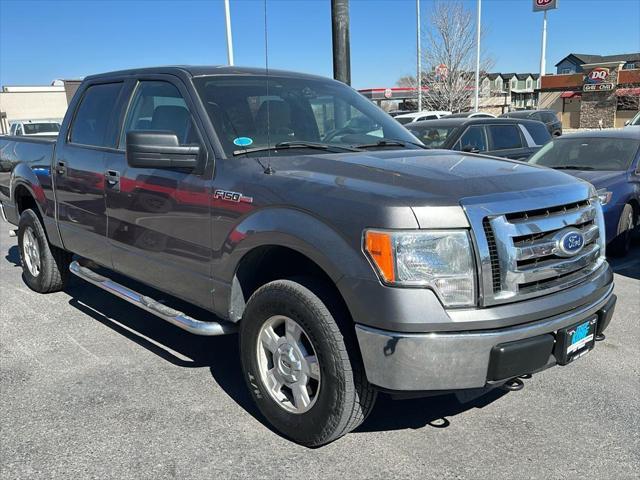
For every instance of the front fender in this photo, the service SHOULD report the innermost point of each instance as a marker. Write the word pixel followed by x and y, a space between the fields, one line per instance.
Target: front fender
pixel 336 255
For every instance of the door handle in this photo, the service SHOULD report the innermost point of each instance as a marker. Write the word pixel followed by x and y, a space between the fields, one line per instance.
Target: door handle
pixel 113 179
pixel 61 167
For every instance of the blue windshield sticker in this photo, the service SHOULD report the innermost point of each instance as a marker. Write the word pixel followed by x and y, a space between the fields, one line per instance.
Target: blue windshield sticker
pixel 243 141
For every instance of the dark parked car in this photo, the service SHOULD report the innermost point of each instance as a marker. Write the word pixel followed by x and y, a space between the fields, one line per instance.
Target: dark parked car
pixel 548 117
pixel 500 137
pixel 607 159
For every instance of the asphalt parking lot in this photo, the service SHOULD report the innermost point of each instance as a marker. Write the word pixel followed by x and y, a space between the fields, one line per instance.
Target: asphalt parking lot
pixel 91 387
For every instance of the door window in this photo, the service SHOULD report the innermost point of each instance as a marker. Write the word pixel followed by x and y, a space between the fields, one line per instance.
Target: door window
pixel 159 106
pixel 92 116
pixel 505 137
pixel 473 139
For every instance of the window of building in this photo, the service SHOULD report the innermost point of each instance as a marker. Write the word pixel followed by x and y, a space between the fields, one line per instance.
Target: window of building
pixel 92 116
pixel 565 71
pixel 529 85
pixel 630 66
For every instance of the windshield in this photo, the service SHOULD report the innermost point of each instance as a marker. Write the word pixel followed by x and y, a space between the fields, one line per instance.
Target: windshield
pixel 635 120
pixel 248 113
pixel 35 128
pixel 588 153
pixel 404 120
pixel 432 137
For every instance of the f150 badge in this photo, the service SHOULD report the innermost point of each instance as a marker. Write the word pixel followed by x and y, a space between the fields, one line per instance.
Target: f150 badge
pixel 229 196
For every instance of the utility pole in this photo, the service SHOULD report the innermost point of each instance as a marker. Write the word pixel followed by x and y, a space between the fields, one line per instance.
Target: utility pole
pixel 340 37
pixel 227 15
pixel 543 53
pixel 419 54
pixel 478 56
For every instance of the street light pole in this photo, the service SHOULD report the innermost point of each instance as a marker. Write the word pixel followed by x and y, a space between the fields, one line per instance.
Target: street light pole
pixel 478 56
pixel 340 37
pixel 227 15
pixel 543 53
pixel 419 54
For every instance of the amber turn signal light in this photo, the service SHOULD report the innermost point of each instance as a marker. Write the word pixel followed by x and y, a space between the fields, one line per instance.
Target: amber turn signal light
pixel 379 247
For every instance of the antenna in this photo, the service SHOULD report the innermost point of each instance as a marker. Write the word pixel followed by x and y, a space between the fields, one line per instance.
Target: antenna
pixel 268 170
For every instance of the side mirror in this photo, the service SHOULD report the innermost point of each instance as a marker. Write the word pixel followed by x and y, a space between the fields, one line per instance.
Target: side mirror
pixel 159 149
pixel 628 122
pixel 470 149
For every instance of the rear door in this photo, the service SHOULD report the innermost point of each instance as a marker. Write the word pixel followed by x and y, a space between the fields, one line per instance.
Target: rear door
pixel 473 139
pixel 78 171
pixel 506 140
pixel 159 220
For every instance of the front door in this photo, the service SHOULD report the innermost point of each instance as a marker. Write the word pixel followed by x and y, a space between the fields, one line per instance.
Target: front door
pixel 159 220
pixel 78 172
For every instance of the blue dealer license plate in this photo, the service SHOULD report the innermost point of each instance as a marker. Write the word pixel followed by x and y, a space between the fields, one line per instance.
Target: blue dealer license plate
pixel 574 341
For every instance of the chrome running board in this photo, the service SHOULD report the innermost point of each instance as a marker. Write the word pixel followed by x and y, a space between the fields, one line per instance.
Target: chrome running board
pixel 158 309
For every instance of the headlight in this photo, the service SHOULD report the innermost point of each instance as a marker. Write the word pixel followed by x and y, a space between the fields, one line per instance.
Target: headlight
pixel 604 196
pixel 438 259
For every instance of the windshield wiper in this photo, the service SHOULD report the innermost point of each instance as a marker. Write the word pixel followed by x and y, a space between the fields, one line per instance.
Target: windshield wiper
pixel 391 143
pixel 296 144
pixel 573 167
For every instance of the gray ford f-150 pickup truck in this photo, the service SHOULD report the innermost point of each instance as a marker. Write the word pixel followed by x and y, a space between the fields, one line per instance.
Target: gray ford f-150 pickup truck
pixel 291 209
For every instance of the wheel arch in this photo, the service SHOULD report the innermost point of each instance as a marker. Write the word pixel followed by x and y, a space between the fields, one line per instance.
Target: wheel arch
pixel 283 243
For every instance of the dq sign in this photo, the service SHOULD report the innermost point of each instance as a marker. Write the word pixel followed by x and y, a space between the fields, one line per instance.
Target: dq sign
pixel 597 75
pixel 540 5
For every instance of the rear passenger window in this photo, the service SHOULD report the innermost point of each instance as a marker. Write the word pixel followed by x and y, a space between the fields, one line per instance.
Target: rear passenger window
pixel 538 132
pixel 549 117
pixel 93 115
pixel 504 137
pixel 472 139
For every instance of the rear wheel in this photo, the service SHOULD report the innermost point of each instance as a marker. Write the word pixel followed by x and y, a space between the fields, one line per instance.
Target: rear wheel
pixel 45 268
pixel 622 243
pixel 301 363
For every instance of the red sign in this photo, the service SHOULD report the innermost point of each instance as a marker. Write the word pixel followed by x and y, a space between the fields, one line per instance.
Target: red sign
pixel 388 93
pixel 597 75
pixel 539 5
pixel 442 72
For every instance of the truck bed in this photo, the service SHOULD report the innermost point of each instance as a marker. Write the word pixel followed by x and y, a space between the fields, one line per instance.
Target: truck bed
pixel 36 152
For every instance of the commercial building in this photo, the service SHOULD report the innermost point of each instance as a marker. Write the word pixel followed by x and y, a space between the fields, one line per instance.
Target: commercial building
pixel 35 102
pixel 593 91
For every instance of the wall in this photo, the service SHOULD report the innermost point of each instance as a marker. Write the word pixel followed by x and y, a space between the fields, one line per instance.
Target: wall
pixel 571 112
pixel 567 64
pixel 596 106
pixel 32 105
pixel 624 115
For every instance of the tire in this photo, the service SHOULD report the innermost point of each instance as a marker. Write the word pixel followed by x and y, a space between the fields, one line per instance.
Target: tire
pixel 341 398
pixel 45 268
pixel 621 245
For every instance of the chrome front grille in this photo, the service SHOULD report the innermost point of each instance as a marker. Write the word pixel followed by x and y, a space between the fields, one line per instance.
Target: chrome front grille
pixel 519 251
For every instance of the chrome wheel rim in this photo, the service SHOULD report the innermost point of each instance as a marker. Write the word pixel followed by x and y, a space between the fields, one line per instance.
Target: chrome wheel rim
pixel 31 251
pixel 288 364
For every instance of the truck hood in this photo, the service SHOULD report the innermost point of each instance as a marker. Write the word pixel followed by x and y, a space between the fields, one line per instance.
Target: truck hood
pixel 417 177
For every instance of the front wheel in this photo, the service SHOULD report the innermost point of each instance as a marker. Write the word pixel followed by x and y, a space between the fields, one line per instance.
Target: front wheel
pixel 302 369
pixel 45 268
pixel 621 245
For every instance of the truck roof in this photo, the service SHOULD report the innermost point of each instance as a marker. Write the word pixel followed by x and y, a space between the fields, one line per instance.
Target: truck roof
pixel 203 70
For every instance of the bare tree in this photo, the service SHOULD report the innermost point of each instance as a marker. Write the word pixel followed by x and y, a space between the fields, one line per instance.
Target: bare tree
pixel 449 45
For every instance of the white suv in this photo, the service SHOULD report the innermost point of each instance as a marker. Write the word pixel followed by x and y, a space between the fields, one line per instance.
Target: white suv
pixel 419 116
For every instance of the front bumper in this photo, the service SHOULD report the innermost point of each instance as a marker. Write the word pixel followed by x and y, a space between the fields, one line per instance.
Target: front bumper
pixel 458 360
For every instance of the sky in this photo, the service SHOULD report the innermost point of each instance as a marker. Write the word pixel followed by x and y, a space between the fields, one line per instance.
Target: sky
pixel 44 40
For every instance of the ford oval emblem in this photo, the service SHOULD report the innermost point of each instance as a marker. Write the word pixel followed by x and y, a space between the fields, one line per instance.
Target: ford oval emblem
pixel 570 242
